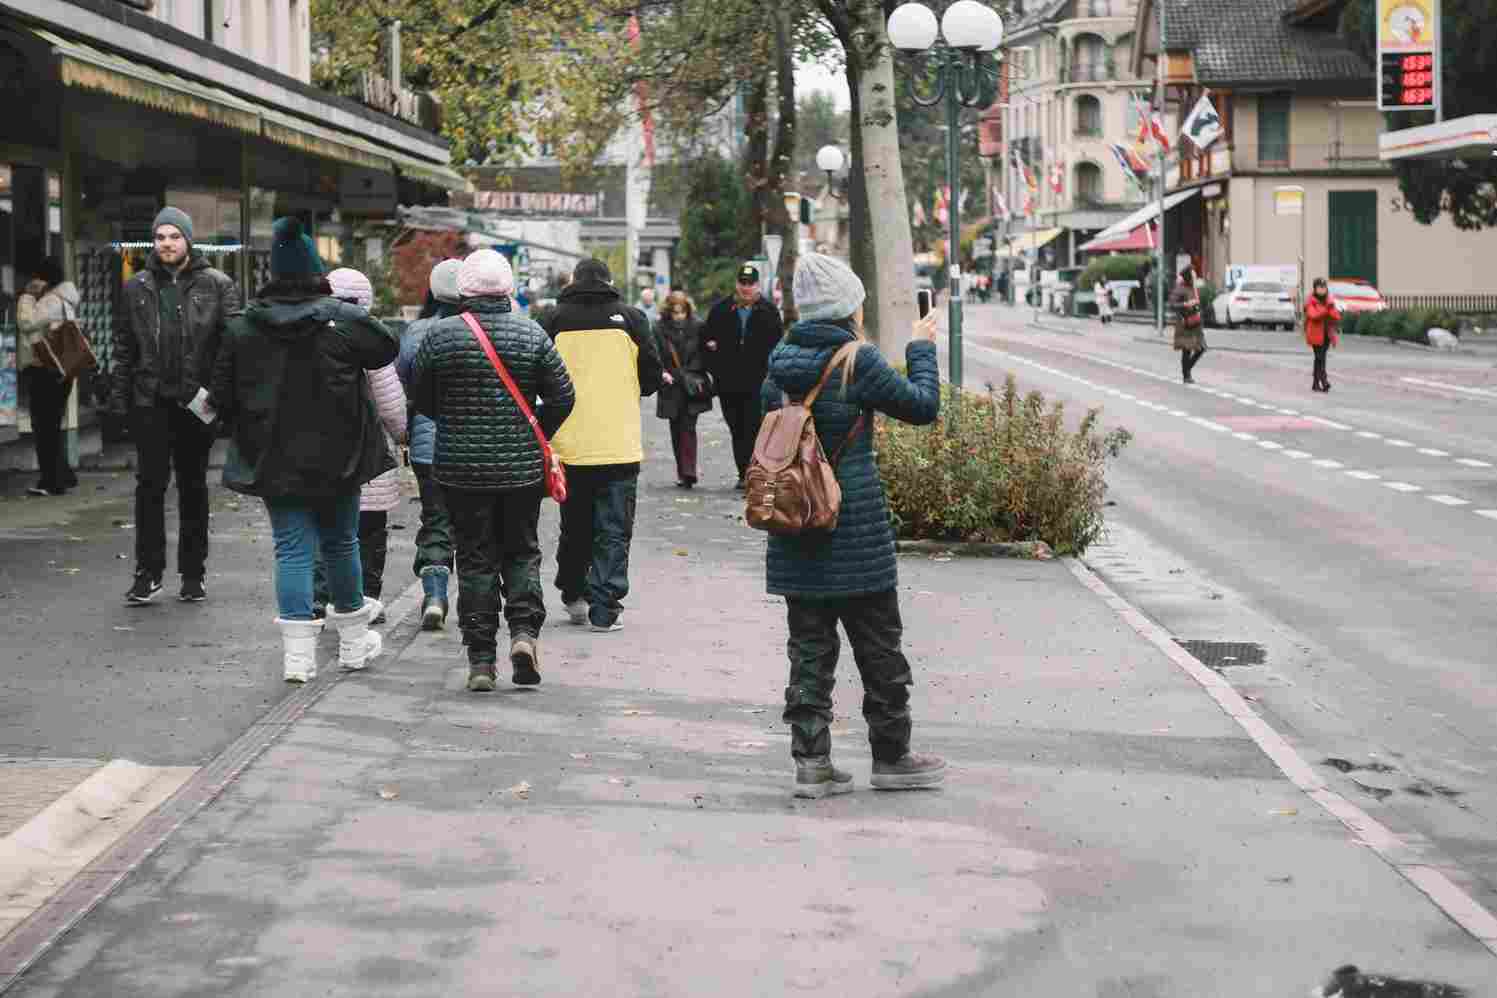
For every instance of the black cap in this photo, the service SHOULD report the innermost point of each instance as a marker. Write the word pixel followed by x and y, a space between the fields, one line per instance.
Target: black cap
pixel 748 274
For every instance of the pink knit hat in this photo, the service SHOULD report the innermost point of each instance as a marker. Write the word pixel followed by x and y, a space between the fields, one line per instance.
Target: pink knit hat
pixel 485 273
pixel 352 286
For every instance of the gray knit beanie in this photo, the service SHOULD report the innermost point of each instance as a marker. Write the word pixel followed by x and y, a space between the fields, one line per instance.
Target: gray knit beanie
pixel 826 288
pixel 174 217
pixel 444 281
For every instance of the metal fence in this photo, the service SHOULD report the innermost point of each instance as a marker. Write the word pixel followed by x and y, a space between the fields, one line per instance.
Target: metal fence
pixel 1467 304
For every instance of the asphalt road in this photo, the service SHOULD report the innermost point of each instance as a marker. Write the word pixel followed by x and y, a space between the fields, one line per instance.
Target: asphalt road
pixel 1352 537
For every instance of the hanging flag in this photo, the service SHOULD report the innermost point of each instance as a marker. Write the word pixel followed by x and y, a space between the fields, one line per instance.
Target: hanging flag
pixel 1204 125
pixel 1057 176
pixel 1134 166
pixel 1000 206
pixel 1150 128
pixel 919 212
pixel 1029 205
pixel 642 98
pixel 943 200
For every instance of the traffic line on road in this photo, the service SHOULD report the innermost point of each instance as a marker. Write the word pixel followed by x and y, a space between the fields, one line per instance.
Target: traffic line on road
pixel 1326 462
pixel 1365 476
pixel 1490 514
pixel 1445 500
pixel 1402 487
pixel 1444 893
pixel 1472 462
pixel 1463 389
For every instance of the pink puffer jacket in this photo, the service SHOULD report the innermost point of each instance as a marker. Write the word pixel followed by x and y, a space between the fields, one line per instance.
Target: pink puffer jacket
pixel 383 493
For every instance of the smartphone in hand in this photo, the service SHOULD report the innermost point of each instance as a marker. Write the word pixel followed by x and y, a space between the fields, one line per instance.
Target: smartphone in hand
pixel 925 300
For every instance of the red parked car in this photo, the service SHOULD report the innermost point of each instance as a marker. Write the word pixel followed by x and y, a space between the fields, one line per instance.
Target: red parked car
pixel 1355 295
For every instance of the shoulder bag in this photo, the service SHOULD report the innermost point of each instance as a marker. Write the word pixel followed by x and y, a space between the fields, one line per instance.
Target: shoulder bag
pixel 698 387
pixel 67 348
pixel 555 474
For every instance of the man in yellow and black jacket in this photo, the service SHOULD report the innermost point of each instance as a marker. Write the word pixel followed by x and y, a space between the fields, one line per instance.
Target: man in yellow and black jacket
pixel 611 356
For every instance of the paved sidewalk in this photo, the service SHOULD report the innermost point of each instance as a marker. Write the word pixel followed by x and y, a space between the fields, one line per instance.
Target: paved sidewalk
pixel 626 828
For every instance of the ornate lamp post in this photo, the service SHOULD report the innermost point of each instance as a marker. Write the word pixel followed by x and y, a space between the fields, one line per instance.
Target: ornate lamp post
pixel 966 30
pixel 829 160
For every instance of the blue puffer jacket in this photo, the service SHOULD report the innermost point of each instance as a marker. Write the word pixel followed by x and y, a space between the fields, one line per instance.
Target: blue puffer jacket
pixel 423 432
pixel 858 557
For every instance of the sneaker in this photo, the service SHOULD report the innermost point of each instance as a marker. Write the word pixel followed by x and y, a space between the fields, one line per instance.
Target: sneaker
pixel 38 490
pixel 433 613
pixel 524 658
pixel 192 591
pixel 601 623
pixel 482 678
pixel 577 611
pixel 144 590
pixel 909 772
pixel 816 778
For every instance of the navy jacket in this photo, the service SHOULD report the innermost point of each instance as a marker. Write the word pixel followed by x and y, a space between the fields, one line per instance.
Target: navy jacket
pixel 858 557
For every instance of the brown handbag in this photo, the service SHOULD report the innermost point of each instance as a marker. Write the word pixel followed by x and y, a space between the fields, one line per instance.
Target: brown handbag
pixel 66 348
pixel 791 487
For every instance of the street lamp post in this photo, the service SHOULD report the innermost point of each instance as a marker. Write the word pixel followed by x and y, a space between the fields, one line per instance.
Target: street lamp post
pixel 966 30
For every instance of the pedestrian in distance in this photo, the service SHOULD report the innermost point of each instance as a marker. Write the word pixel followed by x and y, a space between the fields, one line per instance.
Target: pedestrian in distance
pixel 686 387
pixel 849 575
pixel 47 302
pixel 611 354
pixel 1104 302
pixel 1322 322
pixel 1190 336
pixel 291 381
pixel 647 306
pixel 489 463
pixel 167 331
pixel 381 495
pixel 737 337
pixel 434 559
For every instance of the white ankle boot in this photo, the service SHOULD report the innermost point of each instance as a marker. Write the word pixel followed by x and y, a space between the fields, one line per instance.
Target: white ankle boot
pixel 356 642
pixel 299 641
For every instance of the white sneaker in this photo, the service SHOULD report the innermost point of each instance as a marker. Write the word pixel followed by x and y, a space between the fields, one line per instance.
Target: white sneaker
pixel 299 644
pixel 577 611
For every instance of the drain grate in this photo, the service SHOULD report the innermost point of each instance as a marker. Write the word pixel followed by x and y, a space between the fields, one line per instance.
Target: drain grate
pixel 1221 655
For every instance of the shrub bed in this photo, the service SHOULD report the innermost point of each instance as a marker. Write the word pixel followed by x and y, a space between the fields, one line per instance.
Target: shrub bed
pixel 1400 324
pixel 998 467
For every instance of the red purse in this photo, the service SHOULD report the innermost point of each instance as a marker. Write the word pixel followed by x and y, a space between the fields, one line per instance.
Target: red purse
pixel 556 475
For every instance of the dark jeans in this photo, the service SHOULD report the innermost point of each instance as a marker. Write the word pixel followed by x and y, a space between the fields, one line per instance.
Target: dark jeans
pixel 874 630
pixel 47 395
pixel 168 438
pixel 1188 360
pixel 743 415
pixel 684 446
pixel 597 527
pixel 1320 354
pixel 374 544
pixel 434 537
pixel 498 566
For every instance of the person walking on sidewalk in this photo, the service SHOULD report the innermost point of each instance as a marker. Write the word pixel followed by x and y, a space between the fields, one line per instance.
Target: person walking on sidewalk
pixel 686 387
pixel 737 338
pixel 381 495
pixel 166 337
pixel 1190 336
pixel 291 382
pixel 47 302
pixel 1322 317
pixel 612 357
pixel 434 560
pixel 1104 301
pixel 850 575
pixel 489 462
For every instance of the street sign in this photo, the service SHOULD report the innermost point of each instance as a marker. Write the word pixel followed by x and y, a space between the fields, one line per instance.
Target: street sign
pixel 772 246
pixel 1289 201
pixel 1408 55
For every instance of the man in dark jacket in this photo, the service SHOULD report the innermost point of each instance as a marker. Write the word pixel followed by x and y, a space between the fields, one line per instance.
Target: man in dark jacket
pixel 737 339
pixel 488 461
pixel 613 359
pixel 166 336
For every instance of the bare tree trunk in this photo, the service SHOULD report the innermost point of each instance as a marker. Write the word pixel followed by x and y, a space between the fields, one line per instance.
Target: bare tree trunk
pixel 756 151
pixel 778 215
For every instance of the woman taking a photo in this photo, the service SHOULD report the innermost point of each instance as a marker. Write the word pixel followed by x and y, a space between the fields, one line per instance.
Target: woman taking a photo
pixel 686 390
pixel 848 575
pixel 1190 339
pixel 1322 317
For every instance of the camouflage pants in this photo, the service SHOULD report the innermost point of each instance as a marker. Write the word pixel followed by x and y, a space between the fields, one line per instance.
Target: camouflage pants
pixel 874 630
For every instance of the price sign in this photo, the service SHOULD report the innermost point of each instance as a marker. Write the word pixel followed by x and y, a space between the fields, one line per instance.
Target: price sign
pixel 1408 81
pixel 1408 45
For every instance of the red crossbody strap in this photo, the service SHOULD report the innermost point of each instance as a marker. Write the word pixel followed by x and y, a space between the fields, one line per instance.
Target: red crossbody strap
pixel 503 372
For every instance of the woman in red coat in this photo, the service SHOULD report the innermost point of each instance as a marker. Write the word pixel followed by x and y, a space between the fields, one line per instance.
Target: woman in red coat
pixel 1322 316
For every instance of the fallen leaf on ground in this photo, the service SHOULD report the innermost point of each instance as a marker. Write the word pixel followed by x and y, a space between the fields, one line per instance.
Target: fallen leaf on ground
pixel 1281 880
pixel 754 710
pixel 619 781
pixel 1285 812
pixel 520 790
pixel 580 756
pixel 635 712
pixel 124 628
pixel 388 793
pixel 679 552
pixel 71 571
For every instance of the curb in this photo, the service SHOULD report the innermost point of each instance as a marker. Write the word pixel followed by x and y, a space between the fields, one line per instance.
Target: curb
pixel 1402 857
pixel 1211 347
pixel 1029 550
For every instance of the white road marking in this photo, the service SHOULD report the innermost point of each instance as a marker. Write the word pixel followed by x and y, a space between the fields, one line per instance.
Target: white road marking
pixel 1326 462
pixel 1402 487
pixel 1270 445
pixel 1369 435
pixel 1445 500
pixel 1472 462
pixel 1178 412
pixel 1244 436
pixel 1290 412
pixel 1490 514
pixel 1298 455
pixel 1432 452
pixel 1328 422
pixel 1398 443
pixel 1463 389
pixel 1365 476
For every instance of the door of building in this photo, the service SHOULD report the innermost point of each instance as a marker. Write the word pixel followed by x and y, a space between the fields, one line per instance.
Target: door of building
pixel 1353 235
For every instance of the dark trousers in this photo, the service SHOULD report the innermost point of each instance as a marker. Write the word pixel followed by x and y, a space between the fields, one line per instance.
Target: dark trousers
pixel 1188 360
pixel 1320 354
pixel 498 566
pixel 874 630
pixel 434 537
pixel 742 414
pixel 597 527
pixel 47 395
pixel 684 446
pixel 170 439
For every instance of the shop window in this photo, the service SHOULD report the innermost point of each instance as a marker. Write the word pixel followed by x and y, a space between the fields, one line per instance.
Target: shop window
pixel 1088 116
pixel 1099 8
pixel 1273 130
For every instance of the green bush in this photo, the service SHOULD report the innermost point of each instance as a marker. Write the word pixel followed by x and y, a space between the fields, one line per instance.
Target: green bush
pixel 1208 294
pixel 1399 324
pixel 1123 267
pixel 1352 323
pixel 998 467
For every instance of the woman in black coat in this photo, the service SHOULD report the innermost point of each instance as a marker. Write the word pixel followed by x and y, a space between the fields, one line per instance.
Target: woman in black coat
pixel 686 390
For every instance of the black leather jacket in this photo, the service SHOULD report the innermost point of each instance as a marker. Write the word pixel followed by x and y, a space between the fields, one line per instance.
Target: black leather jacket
pixel 140 369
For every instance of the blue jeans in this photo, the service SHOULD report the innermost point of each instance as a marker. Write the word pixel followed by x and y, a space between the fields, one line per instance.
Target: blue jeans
pixel 302 526
pixel 597 528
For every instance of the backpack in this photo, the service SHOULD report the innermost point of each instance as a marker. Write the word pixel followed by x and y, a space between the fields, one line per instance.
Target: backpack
pixel 791 486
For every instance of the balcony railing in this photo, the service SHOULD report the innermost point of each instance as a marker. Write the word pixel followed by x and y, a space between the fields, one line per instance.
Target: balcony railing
pixel 1090 72
pixel 1088 131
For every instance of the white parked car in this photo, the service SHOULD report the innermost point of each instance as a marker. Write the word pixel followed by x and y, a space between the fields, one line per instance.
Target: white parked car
pixel 1256 303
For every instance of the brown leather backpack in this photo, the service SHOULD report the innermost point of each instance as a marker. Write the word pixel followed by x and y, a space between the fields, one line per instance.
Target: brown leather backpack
pixel 791 486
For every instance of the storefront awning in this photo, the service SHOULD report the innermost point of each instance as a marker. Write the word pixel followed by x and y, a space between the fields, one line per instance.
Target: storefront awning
pixel 1032 241
pixel 1141 238
pixel 89 68
pixel 1145 214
